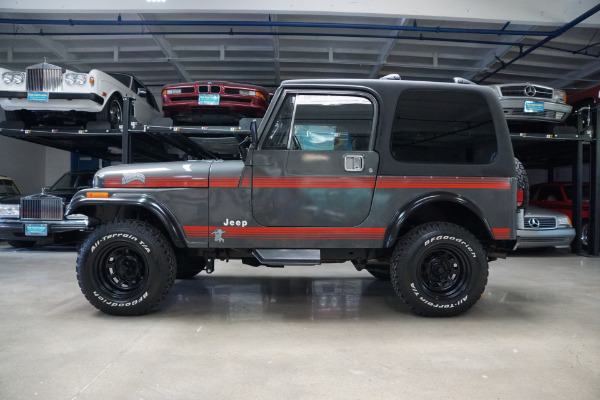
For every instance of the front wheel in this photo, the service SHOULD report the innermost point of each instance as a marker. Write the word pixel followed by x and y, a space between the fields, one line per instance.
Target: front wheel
pixel 126 267
pixel 439 269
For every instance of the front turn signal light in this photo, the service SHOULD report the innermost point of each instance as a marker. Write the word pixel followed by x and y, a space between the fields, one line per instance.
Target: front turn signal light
pixel 96 195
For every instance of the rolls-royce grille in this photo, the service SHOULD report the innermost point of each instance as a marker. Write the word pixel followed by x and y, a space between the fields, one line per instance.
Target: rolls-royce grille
pixel 526 91
pixel 42 208
pixel 43 79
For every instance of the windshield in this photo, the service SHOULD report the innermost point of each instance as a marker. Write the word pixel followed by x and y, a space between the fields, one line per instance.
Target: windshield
pixel 8 188
pixel 73 180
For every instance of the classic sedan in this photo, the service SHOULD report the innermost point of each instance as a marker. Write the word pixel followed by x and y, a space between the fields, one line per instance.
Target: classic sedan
pixel 539 227
pixel 8 187
pixel 558 196
pixel 531 102
pixel 46 94
pixel 213 103
pixel 26 220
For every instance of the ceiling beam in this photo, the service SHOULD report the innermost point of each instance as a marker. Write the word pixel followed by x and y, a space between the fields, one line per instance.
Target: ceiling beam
pixel 56 48
pixel 385 51
pixel 170 54
pixel 534 12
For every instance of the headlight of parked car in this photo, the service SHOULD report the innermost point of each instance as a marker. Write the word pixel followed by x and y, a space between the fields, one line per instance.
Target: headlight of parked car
pixel 13 77
pixel 72 79
pixel 9 210
pixel 563 221
pixel 560 96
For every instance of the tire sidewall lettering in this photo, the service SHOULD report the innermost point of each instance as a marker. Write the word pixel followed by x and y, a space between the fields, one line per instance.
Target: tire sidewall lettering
pixel 120 304
pixel 452 239
pixel 120 236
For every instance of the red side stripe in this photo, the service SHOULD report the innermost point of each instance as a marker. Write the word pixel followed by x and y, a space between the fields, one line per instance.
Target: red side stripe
pixel 389 182
pixel 224 181
pixel 159 181
pixel 286 233
pixel 313 182
pixel 501 233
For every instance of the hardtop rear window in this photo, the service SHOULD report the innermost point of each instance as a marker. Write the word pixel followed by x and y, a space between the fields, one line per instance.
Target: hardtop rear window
pixel 443 126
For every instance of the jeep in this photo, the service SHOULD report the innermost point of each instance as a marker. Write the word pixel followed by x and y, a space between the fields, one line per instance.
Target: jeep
pixel 414 182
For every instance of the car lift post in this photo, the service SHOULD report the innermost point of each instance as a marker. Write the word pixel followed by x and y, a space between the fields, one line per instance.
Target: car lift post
pixel 594 224
pixel 127 151
pixel 577 180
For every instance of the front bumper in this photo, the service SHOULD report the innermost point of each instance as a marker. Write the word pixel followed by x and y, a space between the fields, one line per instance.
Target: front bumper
pixel 531 238
pixel 553 112
pixel 57 101
pixel 57 231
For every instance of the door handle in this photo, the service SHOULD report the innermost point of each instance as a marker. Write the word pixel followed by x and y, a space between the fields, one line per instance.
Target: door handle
pixel 354 162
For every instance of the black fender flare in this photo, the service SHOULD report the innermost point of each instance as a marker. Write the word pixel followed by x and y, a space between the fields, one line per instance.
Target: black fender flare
pixel 403 214
pixel 166 218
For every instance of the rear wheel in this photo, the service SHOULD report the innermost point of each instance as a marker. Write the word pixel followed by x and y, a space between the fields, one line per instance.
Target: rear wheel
pixel 439 269
pixel 112 112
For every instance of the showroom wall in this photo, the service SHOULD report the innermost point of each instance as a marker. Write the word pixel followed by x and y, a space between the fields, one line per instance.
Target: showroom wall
pixel 32 166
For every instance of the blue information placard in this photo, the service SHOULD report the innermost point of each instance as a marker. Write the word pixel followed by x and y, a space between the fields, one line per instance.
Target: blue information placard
pixel 37 96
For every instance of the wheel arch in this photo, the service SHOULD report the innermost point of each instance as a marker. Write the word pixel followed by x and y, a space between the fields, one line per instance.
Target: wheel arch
pixel 438 206
pixel 142 208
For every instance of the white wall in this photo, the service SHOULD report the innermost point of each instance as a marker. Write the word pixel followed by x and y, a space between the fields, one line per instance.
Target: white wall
pixel 561 174
pixel 32 166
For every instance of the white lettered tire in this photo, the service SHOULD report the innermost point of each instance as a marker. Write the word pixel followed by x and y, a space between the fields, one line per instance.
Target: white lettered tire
pixel 126 267
pixel 439 269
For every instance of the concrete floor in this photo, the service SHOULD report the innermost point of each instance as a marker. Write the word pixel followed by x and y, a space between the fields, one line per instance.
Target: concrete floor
pixel 325 332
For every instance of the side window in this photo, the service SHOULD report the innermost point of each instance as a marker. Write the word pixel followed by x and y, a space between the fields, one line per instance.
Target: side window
pixel 277 137
pixel 322 122
pixel 433 126
pixel 550 193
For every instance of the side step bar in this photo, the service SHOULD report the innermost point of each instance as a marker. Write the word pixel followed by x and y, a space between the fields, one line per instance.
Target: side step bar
pixel 281 257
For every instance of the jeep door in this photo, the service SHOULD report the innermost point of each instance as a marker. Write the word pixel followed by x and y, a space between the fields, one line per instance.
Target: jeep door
pixel 314 165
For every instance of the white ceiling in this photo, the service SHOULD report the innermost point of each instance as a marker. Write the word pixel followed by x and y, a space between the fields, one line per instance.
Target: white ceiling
pixel 179 41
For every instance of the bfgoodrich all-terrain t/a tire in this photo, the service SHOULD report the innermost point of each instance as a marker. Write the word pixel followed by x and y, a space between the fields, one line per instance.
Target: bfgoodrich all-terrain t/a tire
pixel 439 269
pixel 126 267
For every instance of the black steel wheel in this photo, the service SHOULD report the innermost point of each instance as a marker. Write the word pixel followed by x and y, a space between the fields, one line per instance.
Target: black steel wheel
pixel 126 267
pixel 439 269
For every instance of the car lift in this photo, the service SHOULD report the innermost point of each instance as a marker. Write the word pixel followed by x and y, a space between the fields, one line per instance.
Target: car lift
pixel 135 142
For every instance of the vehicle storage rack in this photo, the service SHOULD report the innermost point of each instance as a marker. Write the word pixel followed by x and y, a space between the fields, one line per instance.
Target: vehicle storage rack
pixel 134 143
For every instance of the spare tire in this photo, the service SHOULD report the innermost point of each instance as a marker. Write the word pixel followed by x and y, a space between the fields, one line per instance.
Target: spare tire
pixel 522 182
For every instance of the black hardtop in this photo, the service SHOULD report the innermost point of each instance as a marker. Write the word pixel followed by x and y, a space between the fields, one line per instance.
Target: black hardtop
pixel 387 93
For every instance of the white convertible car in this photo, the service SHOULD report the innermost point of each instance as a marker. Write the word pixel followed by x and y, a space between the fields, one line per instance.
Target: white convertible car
pixel 47 94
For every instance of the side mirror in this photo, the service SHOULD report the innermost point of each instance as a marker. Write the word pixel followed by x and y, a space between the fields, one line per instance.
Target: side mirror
pixel 142 92
pixel 250 140
pixel 254 132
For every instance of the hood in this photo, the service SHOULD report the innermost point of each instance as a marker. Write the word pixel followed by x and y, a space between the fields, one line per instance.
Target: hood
pixel 533 211
pixel 10 199
pixel 191 174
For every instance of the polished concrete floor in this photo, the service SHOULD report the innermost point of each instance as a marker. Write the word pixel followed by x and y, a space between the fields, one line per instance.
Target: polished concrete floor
pixel 326 332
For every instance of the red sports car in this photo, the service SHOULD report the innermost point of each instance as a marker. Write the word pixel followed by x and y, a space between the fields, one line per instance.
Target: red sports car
pixel 213 103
